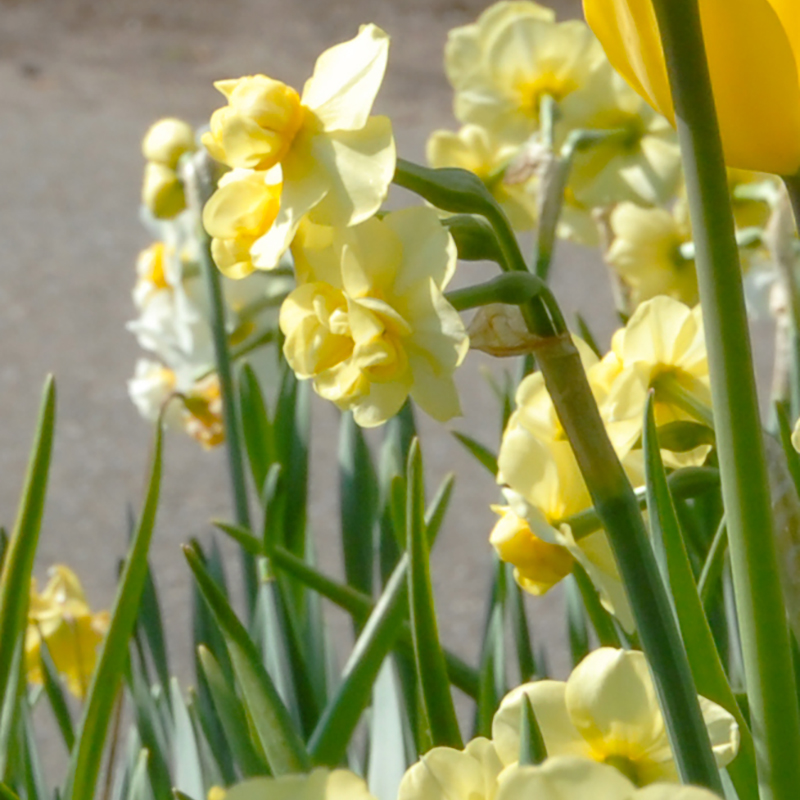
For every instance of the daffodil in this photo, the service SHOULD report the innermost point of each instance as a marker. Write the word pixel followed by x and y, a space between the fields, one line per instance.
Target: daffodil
pixel 607 711
pixel 753 49
pixel 662 347
pixel 368 321
pixel 321 784
pixel 503 67
pixel 475 149
pixel 167 140
pixel 575 778
pixel 334 157
pixel 646 254
pixel 61 617
pixel 444 773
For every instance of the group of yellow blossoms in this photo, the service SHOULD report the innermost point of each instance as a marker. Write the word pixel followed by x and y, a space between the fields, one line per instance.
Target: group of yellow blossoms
pixel 602 729
pixel 662 348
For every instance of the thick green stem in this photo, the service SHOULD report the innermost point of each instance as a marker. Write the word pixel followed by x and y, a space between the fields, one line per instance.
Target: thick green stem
pixel 762 620
pixel 200 184
pixel 618 508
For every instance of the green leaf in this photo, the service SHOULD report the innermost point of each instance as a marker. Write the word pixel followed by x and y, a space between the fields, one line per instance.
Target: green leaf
pixel 15 581
pixel 492 673
pixel 7 793
pixel 532 749
pixel 482 454
pixel 256 428
pixel 55 695
pixel 585 332
pixel 704 661
pixel 36 786
pixel 785 433
pixel 242 536
pixel 185 754
pixel 282 745
pixel 711 574
pixel 435 513
pixel 152 626
pixel 140 788
pixel 521 635
pixel 329 742
pixel 232 716
pixel 358 504
pixel 431 668
pixel 388 727
pixel 357 604
pixel 85 761
pixel 576 623
pixel 602 621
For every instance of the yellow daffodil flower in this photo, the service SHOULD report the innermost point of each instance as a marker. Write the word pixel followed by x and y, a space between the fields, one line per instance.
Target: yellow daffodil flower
pixel 538 565
pixel 607 711
pixel 575 778
pixel 646 254
pixel 61 617
pixel 368 320
pixel 504 65
pixel 662 340
pixel 753 49
pixel 473 148
pixel 334 157
pixel 321 784
pixel 448 774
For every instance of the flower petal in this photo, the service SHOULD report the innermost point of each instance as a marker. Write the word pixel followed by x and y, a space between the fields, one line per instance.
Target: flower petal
pixel 346 80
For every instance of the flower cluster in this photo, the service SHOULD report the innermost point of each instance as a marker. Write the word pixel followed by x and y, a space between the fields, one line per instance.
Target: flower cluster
pixel 660 349
pixel 60 617
pixel 163 145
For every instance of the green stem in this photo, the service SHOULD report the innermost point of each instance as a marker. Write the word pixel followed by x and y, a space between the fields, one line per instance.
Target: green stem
pixel 669 389
pixel 787 268
pixel 201 184
pixel 762 618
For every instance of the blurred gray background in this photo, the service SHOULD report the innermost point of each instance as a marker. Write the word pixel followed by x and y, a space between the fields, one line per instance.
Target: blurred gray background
pixel 80 82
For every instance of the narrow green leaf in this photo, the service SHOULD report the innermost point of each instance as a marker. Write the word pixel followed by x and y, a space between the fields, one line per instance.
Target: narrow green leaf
pixel 521 634
pixel 232 716
pixel 461 674
pixel 431 667
pixel 12 703
pixel 601 620
pixel 36 785
pixel 330 740
pixel 216 762
pixel 576 623
pixel 152 626
pixel 55 695
pixel 284 749
pixel 704 661
pixel 85 761
pixel 140 788
pixel 358 504
pixel 492 673
pixel 185 754
pixel 434 515
pixel 585 332
pixel 7 793
pixel 15 581
pixel 483 455
pixel 242 536
pixel 532 749
pixel 256 428
pixel 388 727
pixel 785 433
pixel 711 574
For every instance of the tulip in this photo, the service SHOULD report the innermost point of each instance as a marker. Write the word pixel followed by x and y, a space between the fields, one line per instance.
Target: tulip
pixel 753 50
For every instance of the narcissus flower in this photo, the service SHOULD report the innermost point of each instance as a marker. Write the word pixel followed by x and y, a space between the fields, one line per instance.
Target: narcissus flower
pixel 321 784
pixel 473 148
pixel 334 157
pixel 646 253
pixel 448 774
pixel 503 66
pixel 368 320
pixel 753 49
pixel 574 778
pixel 61 617
pixel 167 140
pixel 607 711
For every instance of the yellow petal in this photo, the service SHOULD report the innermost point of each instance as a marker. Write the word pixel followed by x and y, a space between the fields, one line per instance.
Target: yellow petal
pixel 754 73
pixel 346 80
pixel 572 778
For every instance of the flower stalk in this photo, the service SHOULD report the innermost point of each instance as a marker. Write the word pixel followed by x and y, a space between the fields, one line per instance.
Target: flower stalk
pixel 762 620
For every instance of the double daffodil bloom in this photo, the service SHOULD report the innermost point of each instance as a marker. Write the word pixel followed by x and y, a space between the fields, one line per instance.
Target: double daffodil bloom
pixel 334 157
pixel 368 321
pixel 448 774
pixel 607 711
pixel 574 778
pixel 321 784
pixel 61 616
pixel 753 49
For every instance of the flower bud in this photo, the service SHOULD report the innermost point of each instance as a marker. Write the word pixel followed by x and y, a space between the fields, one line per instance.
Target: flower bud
pixel 167 140
pixel 257 127
pixel 162 191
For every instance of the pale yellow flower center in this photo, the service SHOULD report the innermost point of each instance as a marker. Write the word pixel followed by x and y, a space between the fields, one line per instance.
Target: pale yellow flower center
pixel 627 766
pixel 531 93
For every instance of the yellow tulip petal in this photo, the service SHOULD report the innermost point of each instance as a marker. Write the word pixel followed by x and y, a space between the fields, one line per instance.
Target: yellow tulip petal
pixel 346 80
